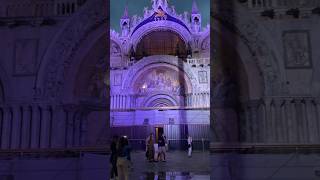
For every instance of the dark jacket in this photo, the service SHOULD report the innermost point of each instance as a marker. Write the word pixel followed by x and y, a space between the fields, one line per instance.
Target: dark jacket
pixel 162 141
pixel 113 148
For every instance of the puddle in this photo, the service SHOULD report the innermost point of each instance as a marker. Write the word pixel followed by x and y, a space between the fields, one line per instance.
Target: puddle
pixel 175 176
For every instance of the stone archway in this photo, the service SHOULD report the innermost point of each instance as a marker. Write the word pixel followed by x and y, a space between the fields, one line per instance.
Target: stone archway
pixel 160 100
pixel 56 63
pixel 159 26
pixel 170 62
pixel 243 64
pixel 83 36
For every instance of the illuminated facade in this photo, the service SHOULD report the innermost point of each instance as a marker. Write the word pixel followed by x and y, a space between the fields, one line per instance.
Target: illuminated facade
pixel 160 72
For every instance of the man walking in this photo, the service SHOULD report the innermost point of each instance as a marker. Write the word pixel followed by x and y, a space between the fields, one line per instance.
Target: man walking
pixel 189 146
pixel 162 147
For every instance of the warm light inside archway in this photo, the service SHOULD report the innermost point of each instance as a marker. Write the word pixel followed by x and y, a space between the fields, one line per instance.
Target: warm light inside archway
pixel 161 43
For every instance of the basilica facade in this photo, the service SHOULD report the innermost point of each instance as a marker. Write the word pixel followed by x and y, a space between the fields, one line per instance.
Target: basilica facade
pixel 160 74
pixel 252 76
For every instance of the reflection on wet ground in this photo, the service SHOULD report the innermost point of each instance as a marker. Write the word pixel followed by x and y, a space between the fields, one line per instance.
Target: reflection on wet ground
pixel 177 166
pixel 175 176
pixel 202 166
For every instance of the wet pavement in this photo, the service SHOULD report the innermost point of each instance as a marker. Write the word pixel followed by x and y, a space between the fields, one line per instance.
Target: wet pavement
pixel 202 166
pixel 177 166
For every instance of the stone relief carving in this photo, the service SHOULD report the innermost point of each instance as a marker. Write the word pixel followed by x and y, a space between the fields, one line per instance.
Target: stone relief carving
pixel 172 60
pixel 117 79
pixel 98 81
pixel 62 52
pixel 251 34
pixel 206 44
pixel 224 90
pixel 296 49
pixel 97 86
pixel 25 57
pixel 115 49
pixel 161 80
pixel 203 77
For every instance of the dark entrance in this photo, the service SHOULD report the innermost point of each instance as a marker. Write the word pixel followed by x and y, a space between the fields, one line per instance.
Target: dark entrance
pixel 158 132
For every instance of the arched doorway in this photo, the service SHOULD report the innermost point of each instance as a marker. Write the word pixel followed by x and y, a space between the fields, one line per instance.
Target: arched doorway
pixel 237 83
pixel 161 43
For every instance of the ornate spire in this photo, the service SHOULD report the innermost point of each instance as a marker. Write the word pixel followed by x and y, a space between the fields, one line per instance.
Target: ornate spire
pixel 160 3
pixel 195 9
pixel 125 13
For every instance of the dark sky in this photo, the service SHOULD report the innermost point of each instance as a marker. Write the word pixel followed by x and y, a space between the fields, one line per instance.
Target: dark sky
pixel 136 7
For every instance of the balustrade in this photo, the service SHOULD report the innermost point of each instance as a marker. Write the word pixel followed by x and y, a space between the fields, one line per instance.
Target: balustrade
pixel 280 4
pixel 46 8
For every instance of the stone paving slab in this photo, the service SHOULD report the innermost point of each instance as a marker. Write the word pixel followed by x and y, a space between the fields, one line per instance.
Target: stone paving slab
pixel 201 166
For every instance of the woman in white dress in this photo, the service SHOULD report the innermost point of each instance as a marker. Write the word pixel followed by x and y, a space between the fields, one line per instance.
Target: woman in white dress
pixel 189 145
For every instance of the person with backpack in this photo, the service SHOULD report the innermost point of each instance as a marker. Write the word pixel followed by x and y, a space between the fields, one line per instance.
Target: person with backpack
pixel 124 158
pixel 162 147
pixel 113 158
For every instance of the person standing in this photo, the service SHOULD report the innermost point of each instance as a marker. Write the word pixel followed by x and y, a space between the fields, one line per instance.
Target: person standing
pixel 189 146
pixel 113 157
pixel 150 148
pixel 123 162
pixel 162 147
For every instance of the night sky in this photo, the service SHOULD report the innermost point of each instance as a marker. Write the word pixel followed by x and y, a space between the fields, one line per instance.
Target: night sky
pixel 136 7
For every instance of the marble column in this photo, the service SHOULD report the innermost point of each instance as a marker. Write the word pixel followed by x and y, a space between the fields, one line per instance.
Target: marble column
pixel 198 100
pixel 248 123
pixel 70 126
pixel 269 117
pixel 77 128
pixel 284 122
pixel 59 118
pixel 84 128
pixel 296 120
pixel 194 100
pixel 125 102
pixel 311 121
pixel 26 126
pixel 45 130
pixel 290 120
pixel 111 102
pixel 254 120
pixel 304 126
pixel 118 101
pixel 6 128
pixel 35 127
pixel 263 125
pixel 299 119
pixel 121 102
pixel 130 101
pixel 16 127
pixel 278 120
